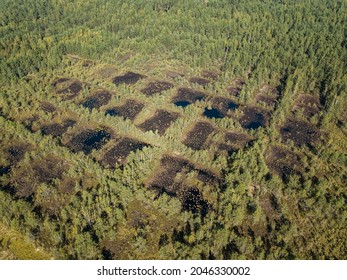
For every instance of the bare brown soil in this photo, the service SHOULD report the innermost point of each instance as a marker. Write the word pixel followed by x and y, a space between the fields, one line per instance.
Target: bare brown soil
pixel 200 81
pixel 160 122
pixel 26 178
pixel 119 153
pixel 15 152
pixel 211 75
pixel 237 140
pixel 269 90
pixel 188 95
pixel 234 91
pixel 173 74
pixel 156 87
pixel 58 129
pixel 97 99
pixel 254 117
pixel 47 107
pixel 128 78
pixel 283 162
pixel 266 100
pixel 88 140
pixel 130 109
pixel 197 136
pixel 224 104
pixel 307 110
pixel 68 88
pixel 300 132
pixel 170 179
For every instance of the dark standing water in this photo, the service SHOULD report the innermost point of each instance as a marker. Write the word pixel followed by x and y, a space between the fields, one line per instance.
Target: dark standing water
pixel 90 103
pixel 256 123
pixel 232 106
pixel 93 141
pixel 213 113
pixel 112 112
pixel 182 103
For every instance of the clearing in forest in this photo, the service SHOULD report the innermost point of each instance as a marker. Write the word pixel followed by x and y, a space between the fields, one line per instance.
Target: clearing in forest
pixel 130 109
pixel 128 78
pixel 197 136
pixel 187 96
pixel 160 121
pixel 68 88
pixel 88 140
pixel 97 99
pixel 118 154
pixel 156 87
pixel 253 117
pixel 57 129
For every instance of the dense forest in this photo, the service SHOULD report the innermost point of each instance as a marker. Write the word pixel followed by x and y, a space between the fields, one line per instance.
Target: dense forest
pixel 172 129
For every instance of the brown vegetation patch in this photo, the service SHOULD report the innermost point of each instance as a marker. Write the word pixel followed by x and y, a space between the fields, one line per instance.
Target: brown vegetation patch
pixel 25 179
pixel 224 104
pixel 209 75
pixel 130 109
pixel 309 100
pixel 156 87
pixel 119 153
pixel 192 200
pixel 159 122
pixel 236 139
pixel 97 99
pixel 15 152
pixel 69 88
pixel 197 137
pixel 106 72
pixel 47 107
pixel 58 129
pixel 269 90
pixel 300 132
pixel 266 100
pixel 283 161
pixel 188 95
pixel 307 110
pixel 128 78
pixel 173 74
pixel 200 81
pixel 88 140
pixel 253 118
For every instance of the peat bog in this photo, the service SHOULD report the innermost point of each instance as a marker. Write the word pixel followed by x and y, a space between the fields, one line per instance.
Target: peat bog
pixel 58 129
pixel 156 87
pixel 253 118
pixel 198 135
pixel 187 96
pixel 129 110
pixel 88 140
pixel 160 121
pixel 118 154
pixel 97 100
pixel 128 78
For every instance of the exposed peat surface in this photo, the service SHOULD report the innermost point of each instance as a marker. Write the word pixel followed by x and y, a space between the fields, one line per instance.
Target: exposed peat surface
pixel 156 87
pixel 25 179
pixel 300 132
pixel 130 109
pixel 14 153
pixel 47 107
pixel 196 137
pixel 234 141
pixel 88 140
pixel 58 129
pixel 253 118
pixel 308 104
pixel 192 200
pixel 97 100
pixel 173 74
pixel 68 88
pixel 211 75
pixel 283 162
pixel 269 90
pixel 160 121
pixel 128 78
pixel 236 86
pixel 118 154
pixel 200 81
pixel 167 181
pixel 213 113
pixel 187 96
pixel 266 100
pixel 224 104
